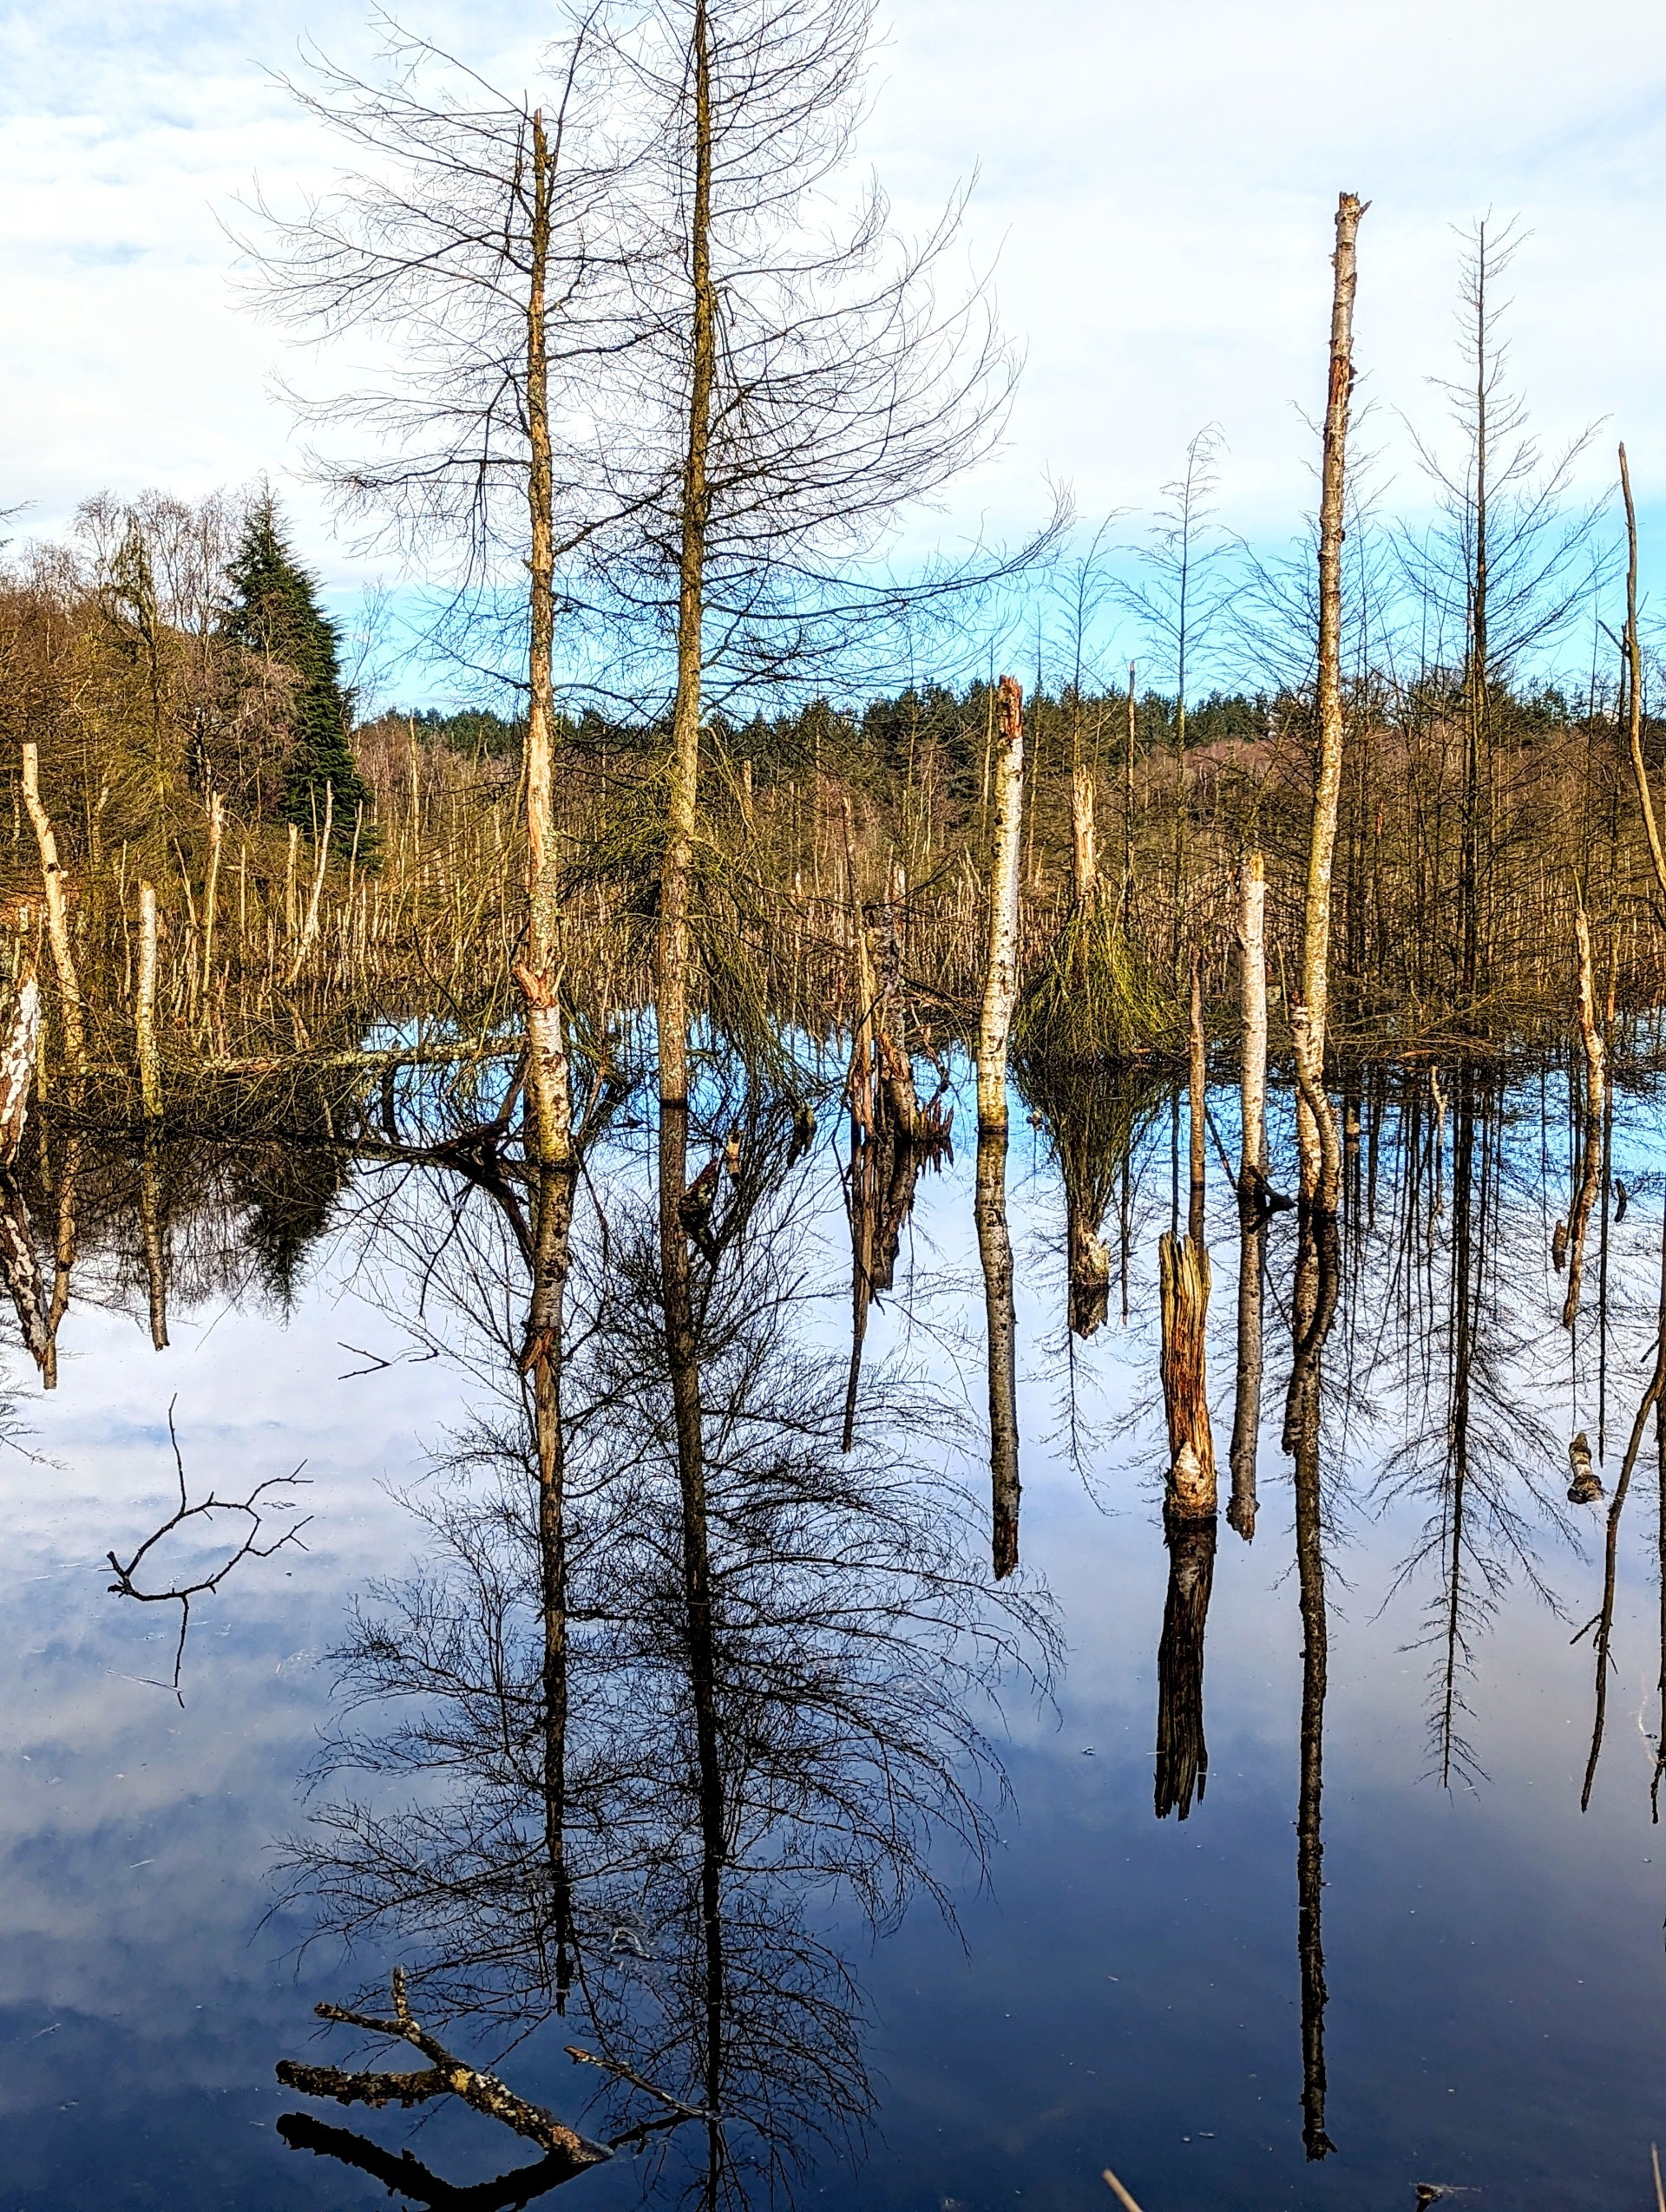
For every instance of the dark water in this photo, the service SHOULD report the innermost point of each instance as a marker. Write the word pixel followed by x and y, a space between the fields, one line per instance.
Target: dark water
pixel 1476 1996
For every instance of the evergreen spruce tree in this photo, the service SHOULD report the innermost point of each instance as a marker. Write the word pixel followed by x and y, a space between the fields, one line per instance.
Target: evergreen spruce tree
pixel 274 611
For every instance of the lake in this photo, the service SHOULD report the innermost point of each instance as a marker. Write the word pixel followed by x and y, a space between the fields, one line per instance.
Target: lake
pixel 957 1962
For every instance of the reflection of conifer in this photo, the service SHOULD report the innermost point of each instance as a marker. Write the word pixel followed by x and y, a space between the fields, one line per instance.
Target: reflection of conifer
pixel 274 612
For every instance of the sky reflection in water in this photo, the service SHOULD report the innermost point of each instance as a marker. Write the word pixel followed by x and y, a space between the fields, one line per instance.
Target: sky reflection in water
pixel 1120 1991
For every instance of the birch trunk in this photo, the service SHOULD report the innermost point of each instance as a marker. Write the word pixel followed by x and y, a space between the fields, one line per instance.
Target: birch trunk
pixel 17 1065
pixel 995 1253
pixel 57 920
pixel 144 1007
pixel 1000 972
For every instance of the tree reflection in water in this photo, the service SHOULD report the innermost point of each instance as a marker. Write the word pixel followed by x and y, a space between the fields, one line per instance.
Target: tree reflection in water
pixel 854 1642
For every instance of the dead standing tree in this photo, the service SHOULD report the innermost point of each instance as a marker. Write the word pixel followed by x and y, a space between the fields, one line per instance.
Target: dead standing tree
pixel 1321 1145
pixel 489 244
pixel 795 393
pixel 1314 1307
pixel 994 1239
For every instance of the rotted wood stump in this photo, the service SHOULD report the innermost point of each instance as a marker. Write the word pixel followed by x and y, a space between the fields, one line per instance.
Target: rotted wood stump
pixel 1185 1275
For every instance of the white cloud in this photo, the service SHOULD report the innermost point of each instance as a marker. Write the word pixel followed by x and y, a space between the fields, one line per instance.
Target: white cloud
pixel 1157 179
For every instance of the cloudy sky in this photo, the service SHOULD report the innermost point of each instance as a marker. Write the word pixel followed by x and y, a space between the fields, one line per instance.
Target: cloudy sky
pixel 1157 180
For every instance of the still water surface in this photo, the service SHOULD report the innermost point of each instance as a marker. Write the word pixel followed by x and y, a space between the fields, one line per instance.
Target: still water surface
pixel 1485 1982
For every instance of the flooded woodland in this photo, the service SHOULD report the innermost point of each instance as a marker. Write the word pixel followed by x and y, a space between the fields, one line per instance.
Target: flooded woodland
pixel 782 1433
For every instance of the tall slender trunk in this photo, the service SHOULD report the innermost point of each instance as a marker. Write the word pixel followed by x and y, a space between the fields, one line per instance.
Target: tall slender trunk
pixel 1084 827
pixel 1000 971
pixel 1197 1106
pixel 995 1253
pixel 1590 1168
pixel 1634 686
pixel 144 1007
pixel 1321 1160
pixel 1309 1837
pixel 211 888
pixel 155 1234
pixel 1128 808
pixel 57 920
pixel 310 926
pixel 1476 670
pixel 548 1088
pixel 672 1010
pixel 1252 1175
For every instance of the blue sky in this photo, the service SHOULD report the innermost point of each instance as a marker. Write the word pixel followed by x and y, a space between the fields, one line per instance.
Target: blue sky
pixel 1156 185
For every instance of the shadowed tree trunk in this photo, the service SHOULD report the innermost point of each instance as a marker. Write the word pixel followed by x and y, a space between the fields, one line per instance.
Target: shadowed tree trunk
pixel 671 1012
pixel 1197 1114
pixel 1181 1751
pixel 1596 1102
pixel 995 1252
pixel 994 1242
pixel 1252 1183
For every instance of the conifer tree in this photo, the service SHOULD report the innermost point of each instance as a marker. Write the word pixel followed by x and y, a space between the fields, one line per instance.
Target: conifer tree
pixel 274 612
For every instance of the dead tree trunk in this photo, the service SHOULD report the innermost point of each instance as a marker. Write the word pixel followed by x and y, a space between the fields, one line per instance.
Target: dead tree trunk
pixel 995 1252
pixel 144 1007
pixel 1197 1108
pixel 1084 826
pixel 57 920
pixel 1320 1162
pixel 1181 1749
pixel 211 890
pixel 17 1065
pixel 155 1237
pixel 1000 972
pixel 1252 1183
pixel 310 926
pixel 1183 1269
pixel 1590 1166
pixel 1634 689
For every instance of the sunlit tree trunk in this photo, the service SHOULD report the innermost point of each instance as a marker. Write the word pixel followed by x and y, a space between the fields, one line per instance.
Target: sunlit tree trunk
pixel 1321 1159
pixel 57 920
pixel 1000 969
